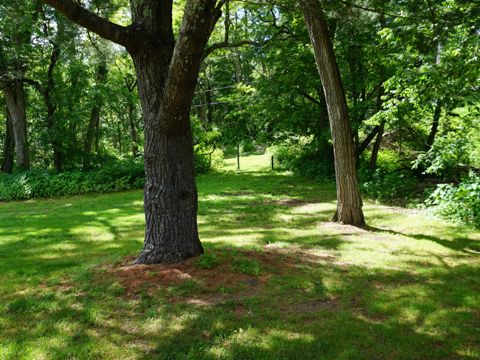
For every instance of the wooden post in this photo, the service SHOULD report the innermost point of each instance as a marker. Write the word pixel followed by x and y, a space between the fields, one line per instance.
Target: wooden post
pixel 272 163
pixel 238 156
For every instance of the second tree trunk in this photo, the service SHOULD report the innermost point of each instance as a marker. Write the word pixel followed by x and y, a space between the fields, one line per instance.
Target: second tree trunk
pixel 349 201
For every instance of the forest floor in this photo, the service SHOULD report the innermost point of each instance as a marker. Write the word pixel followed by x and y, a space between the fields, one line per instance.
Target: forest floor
pixel 278 280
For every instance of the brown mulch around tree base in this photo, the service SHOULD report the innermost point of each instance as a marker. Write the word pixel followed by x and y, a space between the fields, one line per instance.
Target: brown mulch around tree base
pixel 137 278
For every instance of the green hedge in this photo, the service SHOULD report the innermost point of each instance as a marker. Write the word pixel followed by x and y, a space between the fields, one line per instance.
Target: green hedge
pixel 121 176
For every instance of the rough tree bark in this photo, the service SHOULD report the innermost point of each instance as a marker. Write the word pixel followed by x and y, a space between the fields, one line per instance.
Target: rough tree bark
pixel 349 201
pixel 167 71
pixel 8 146
pixel 15 97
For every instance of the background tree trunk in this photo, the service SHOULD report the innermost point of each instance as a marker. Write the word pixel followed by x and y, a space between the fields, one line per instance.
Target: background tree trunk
pixel 8 146
pixel 94 121
pixel 15 98
pixel 53 132
pixel 349 201
pixel 376 146
pixel 435 124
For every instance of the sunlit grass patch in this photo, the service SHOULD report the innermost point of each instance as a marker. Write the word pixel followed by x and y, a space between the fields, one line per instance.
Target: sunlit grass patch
pixel 277 280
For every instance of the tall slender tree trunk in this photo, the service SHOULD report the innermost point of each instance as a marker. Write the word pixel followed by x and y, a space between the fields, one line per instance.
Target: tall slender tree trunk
pixel 15 98
pixel 378 130
pixel 438 60
pixel 93 132
pixel 376 146
pixel 349 201
pixel 53 132
pixel 8 146
pixel 381 126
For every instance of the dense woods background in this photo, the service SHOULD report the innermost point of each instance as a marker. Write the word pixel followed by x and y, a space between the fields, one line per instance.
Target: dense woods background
pixel 410 71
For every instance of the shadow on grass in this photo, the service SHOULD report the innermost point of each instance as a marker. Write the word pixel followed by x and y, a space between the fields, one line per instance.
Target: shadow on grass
pixel 457 243
pixel 314 311
pixel 44 237
pixel 53 305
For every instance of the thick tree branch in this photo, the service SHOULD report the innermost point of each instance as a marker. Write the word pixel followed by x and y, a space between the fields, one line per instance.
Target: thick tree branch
pixel 92 22
pixel 368 140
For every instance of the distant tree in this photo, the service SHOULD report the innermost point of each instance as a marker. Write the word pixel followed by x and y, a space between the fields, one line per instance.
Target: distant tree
pixel 14 45
pixel 8 145
pixel 93 131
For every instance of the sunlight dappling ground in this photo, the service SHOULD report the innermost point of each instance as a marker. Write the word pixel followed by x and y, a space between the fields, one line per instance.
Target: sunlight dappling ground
pixel 278 280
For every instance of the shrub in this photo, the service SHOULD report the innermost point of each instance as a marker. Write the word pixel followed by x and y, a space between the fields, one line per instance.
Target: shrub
pixel 388 186
pixel 459 203
pixel 306 159
pixel 202 161
pixel 119 176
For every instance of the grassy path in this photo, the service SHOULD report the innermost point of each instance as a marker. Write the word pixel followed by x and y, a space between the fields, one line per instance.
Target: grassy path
pixel 277 280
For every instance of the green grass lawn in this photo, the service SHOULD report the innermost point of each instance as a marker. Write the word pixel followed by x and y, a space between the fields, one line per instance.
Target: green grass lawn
pixel 278 281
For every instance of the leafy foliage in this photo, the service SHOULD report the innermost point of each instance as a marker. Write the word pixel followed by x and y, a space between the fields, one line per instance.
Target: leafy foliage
pixel 460 203
pixel 389 186
pixel 306 159
pixel 118 176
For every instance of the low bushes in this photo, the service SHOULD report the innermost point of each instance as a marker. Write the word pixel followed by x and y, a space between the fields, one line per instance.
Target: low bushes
pixel 44 183
pixel 119 176
pixel 459 203
pixel 306 159
pixel 391 186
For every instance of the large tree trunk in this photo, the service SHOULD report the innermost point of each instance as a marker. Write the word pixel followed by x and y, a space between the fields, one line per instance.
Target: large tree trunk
pixel 170 75
pixel 349 201
pixel 8 146
pixel 15 98
pixel 167 72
